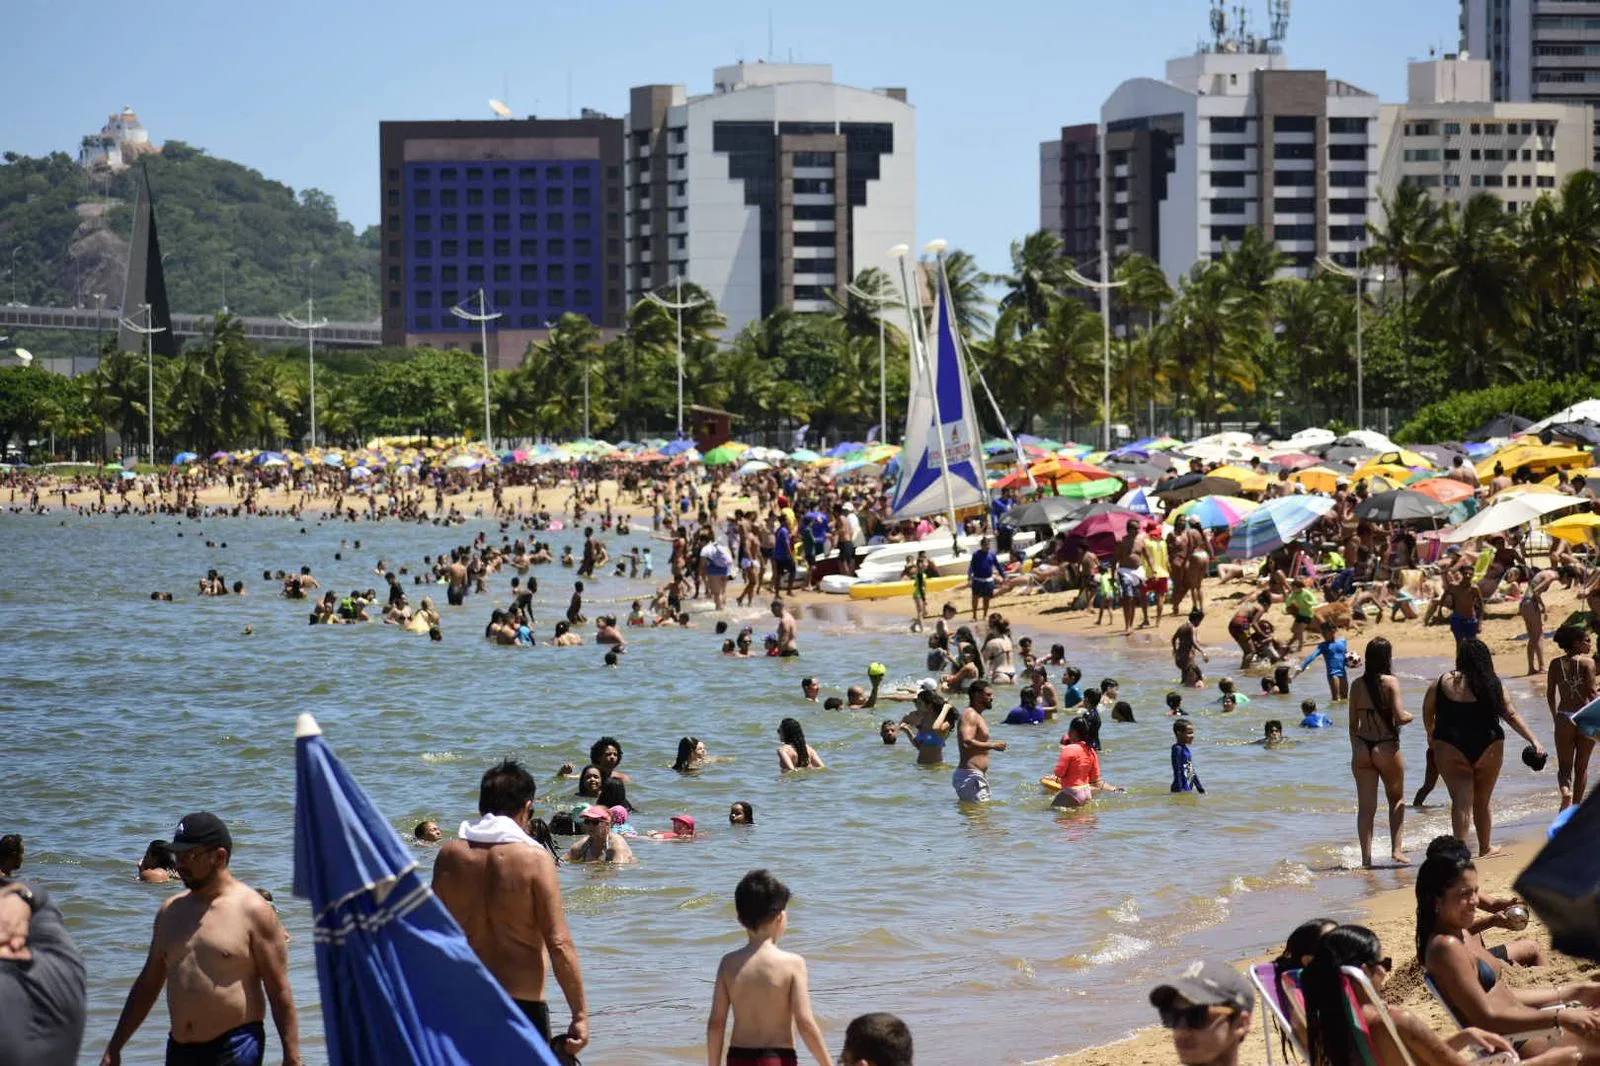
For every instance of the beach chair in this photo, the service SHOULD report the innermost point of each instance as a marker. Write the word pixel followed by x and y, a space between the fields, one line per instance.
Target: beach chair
pixel 1265 979
pixel 1552 1030
pixel 1356 982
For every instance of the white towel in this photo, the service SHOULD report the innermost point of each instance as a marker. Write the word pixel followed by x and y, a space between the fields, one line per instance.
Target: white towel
pixel 494 829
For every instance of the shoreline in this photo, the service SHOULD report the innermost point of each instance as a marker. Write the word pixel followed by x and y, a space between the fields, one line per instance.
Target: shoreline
pixel 1389 912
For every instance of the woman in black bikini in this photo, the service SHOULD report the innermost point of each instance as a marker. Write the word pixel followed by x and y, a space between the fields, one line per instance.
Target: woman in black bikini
pixel 1463 711
pixel 1376 716
pixel 1569 685
pixel 1468 977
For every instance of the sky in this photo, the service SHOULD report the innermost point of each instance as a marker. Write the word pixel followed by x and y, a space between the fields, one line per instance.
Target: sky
pixel 296 88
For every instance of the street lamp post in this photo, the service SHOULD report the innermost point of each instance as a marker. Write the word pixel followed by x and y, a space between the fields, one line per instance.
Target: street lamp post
pixel 1103 287
pixel 680 306
pixel 311 323
pixel 482 317
pixel 1360 278
pixel 14 253
pixel 149 330
pixel 879 301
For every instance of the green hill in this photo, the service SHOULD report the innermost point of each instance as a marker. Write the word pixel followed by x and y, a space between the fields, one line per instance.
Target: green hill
pixel 228 233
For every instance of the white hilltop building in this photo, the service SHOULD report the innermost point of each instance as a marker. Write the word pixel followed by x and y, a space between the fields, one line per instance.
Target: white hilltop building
pixel 120 141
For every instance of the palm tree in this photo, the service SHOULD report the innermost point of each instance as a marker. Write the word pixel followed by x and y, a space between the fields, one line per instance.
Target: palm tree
pixel 1067 367
pixel 1471 285
pixel 1561 245
pixel 1038 273
pixel 1218 324
pixel 1144 288
pixel 1404 242
pixel 968 301
pixel 859 317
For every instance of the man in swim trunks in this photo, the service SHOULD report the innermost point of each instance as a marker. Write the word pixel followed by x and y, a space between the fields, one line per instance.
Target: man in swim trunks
pixel 1158 575
pixel 971 780
pixel 1465 603
pixel 788 630
pixel 222 955
pixel 1131 574
pixel 502 887
pixel 1187 651
pixel 982 570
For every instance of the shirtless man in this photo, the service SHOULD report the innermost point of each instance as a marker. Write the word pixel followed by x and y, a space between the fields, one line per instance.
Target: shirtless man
pixel 788 630
pixel 502 887
pixel 223 957
pixel 1463 471
pixel 1187 651
pixel 971 780
pixel 456 573
pixel 764 986
pixel 1131 574
pixel 1465 603
pixel 600 844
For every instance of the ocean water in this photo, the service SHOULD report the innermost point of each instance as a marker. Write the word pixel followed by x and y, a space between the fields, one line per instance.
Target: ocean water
pixel 1001 933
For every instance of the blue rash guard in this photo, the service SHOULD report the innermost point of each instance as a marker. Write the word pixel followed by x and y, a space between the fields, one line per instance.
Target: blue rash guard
pixel 1184 779
pixel 1335 652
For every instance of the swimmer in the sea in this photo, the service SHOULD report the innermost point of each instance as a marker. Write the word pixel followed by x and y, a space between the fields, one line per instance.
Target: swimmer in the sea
pixel 428 832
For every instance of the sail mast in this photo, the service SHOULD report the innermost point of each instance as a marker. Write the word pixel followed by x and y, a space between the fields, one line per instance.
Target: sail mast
pixel 919 353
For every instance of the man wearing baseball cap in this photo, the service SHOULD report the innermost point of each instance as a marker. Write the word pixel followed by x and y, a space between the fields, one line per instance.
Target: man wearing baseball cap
pixel 1207 1006
pixel 220 952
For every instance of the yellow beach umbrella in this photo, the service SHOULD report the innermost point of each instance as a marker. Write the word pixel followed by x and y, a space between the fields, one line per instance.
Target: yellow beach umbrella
pixel 1375 469
pixel 1539 456
pixel 1575 529
pixel 1249 480
pixel 1318 478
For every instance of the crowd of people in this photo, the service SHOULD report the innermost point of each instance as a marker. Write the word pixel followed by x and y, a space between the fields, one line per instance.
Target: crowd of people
pixel 1325 581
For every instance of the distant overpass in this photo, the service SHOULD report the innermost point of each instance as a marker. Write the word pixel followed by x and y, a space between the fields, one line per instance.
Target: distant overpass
pixel 333 335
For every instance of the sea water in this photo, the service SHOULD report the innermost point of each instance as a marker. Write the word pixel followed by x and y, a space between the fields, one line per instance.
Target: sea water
pixel 1001 932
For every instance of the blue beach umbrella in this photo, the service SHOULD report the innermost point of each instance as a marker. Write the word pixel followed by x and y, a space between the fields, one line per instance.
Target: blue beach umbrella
pixel 184 457
pixel 1274 524
pixel 399 982
pixel 676 447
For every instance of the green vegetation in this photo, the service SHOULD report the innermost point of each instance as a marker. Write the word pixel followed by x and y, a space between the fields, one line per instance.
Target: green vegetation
pixel 1453 418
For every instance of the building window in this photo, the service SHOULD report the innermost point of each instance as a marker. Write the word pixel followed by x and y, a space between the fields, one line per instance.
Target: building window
pixel 1492 181
pixel 422 198
pixel 423 249
pixel 527 197
pixel 1295 123
pixel 449 249
pixel 502 173
pixel 475 249
pixel 1527 155
pixel 1491 129
pixel 394 175
pixel 424 298
pixel 422 174
pixel 1348 152
pixel 529 272
pixel 580 173
pixel 1227 179
pixel 474 197
pixel 813 239
pixel 1477 154
pixel 1452 155
pixel 813 187
pixel 474 273
pixel 447 174
pixel 447 198
pixel 1546 181
pixel 583 247
pixel 422 273
pixel 449 298
pixel 1295 151
pixel 1477 181
pixel 1421 181
pixel 1294 205
pixel 502 247
pixel 1225 206
pixel 502 222
pixel 1347 179
pixel 1421 129
pixel 502 272
pixel 1228 152
pixel 424 321
pixel 580 197
pixel 474 173
pixel 555 247
pixel 814 212
pixel 502 297
pixel 557 297
pixel 583 272
pixel 553 174
pixel 555 197
pixel 1452 129
pixel 394 297
pixel 556 221
pixel 1294 177
pixel 1353 207
pixel 528 220
pixel 1422 155
pixel 1452 181
pixel 1230 124
pixel 582 221
pixel 475 223
pixel 528 248
pixel 394 222
pixel 450 274
pixel 818 159
pixel 529 298
pixel 1492 155
pixel 555 272
pixel 1347 125
pixel 502 197
pixel 1306 231
pixel 1347 233
pixel 449 223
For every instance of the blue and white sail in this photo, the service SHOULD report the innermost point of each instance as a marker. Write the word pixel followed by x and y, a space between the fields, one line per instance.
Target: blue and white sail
pixel 941 469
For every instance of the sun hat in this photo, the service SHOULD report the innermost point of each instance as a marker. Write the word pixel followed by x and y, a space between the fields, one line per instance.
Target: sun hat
pixel 597 811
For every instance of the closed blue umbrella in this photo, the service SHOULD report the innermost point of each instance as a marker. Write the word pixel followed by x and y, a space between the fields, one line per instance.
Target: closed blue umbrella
pixel 1274 524
pixel 399 982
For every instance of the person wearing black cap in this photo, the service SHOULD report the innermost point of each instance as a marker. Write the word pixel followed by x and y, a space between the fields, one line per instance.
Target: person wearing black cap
pixel 1207 1006
pixel 220 952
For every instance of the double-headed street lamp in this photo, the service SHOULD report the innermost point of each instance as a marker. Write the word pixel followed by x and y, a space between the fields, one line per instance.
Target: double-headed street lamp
pixel 680 306
pixel 483 316
pixel 1361 278
pixel 149 330
pixel 1103 287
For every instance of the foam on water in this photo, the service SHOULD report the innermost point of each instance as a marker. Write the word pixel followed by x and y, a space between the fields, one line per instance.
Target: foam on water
pixel 959 918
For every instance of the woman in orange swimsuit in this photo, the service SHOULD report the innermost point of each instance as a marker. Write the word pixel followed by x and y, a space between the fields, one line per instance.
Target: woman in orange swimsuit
pixel 1078 769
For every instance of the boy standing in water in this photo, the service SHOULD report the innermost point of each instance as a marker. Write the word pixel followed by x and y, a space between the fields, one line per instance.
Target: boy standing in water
pixel 765 986
pixel 1184 778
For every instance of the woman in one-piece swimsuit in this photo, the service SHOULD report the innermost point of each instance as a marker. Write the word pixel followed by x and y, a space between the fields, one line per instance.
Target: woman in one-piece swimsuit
pixel 1464 710
pixel 1570 684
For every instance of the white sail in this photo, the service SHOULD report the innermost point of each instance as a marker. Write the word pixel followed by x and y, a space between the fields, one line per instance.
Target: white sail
pixel 941 469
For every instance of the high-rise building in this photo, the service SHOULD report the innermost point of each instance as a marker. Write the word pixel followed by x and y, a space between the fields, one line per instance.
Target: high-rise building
pixel 529 211
pixel 1069 190
pixel 774 188
pixel 1451 138
pixel 1545 51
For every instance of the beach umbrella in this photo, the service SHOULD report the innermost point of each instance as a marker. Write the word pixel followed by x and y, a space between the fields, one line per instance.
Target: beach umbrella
pixel 684 458
pixel 995 444
pixel 465 462
pixel 1098 489
pixel 1249 479
pixel 360 473
pixel 1350 455
pixel 1319 478
pixel 270 459
pixel 1443 489
pixel 803 455
pixel 723 454
pixel 127 475
pixel 843 448
pixel 1137 501
pixel 1500 426
pixel 1054 512
pixel 1293 460
pixel 399 983
pixel 1102 531
pixel 1510 512
pixel 676 447
pixel 1192 486
pixel 184 457
pixel 1401 505
pixel 1217 512
pixel 1538 456
pixel 1307 439
pixel 1575 529
pixel 754 466
pixel 1274 524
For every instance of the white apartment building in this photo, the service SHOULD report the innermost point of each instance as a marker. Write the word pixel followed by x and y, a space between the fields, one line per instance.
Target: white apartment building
pixel 1545 51
pixel 1451 138
pixel 1232 139
pixel 769 191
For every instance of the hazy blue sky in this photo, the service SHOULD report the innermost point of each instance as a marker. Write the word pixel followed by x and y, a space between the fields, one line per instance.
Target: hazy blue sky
pixel 296 88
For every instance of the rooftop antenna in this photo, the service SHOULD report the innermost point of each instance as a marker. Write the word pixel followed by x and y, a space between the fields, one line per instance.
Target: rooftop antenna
pixel 569 94
pixel 1219 24
pixel 769 34
pixel 1277 21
